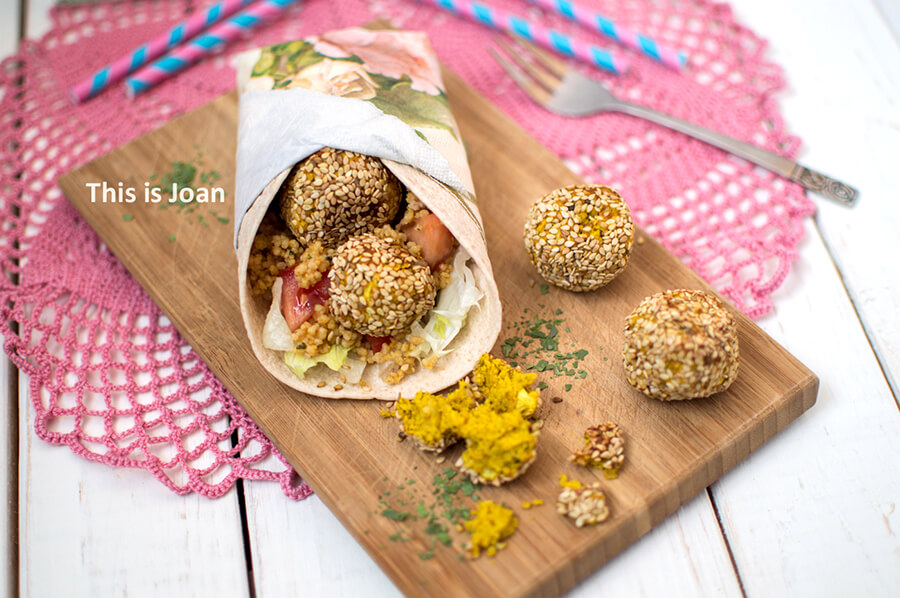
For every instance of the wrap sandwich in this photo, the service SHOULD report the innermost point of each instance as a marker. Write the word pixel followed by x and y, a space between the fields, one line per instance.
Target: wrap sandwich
pixel 362 265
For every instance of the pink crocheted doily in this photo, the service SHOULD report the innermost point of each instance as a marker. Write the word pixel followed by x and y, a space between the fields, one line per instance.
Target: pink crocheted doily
pixel 109 375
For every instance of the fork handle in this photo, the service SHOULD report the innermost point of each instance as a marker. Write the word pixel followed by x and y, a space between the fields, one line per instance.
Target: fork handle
pixel 808 178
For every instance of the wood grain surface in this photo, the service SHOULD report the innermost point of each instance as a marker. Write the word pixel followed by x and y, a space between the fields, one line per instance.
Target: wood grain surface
pixel 350 456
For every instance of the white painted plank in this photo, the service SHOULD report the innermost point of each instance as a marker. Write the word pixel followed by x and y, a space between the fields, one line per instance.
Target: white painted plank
pixel 814 512
pixel 843 64
pixel 7 471
pixel 90 530
pixel 9 27
pixel 301 548
pixel 9 43
pixel 37 19
pixel 684 556
pixel 890 9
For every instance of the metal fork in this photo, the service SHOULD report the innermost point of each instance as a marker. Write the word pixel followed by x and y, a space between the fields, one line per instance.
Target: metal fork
pixel 550 83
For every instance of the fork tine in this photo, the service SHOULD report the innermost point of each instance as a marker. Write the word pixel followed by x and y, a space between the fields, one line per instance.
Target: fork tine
pixel 544 78
pixel 534 91
pixel 550 62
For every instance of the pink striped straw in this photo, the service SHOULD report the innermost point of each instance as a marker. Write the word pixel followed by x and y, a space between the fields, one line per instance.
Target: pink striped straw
pixel 627 37
pixel 184 56
pixel 534 32
pixel 116 71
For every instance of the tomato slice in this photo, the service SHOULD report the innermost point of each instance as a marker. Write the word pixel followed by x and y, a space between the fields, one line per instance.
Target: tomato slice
pixel 378 342
pixel 435 239
pixel 298 305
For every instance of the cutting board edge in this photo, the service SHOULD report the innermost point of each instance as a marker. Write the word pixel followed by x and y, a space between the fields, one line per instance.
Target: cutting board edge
pixel 593 556
pixel 557 581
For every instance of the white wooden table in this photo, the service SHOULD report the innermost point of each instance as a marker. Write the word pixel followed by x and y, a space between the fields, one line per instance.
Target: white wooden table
pixel 814 512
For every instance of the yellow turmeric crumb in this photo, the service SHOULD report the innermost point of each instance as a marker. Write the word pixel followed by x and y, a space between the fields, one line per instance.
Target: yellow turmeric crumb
pixel 434 421
pixel 499 446
pixel 386 413
pixel 490 525
pixel 567 483
pixel 505 388
pixel 534 503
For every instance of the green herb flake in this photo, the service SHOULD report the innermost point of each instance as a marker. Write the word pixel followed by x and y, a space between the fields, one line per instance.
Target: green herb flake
pixel 545 288
pixel 568 387
pixel 543 346
pixel 394 515
pixel 421 511
pixel 127 217
pixel 171 238
pixel 468 488
pixel 434 527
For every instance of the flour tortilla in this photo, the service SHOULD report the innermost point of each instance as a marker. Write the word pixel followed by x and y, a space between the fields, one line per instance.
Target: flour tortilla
pixel 419 142
pixel 476 337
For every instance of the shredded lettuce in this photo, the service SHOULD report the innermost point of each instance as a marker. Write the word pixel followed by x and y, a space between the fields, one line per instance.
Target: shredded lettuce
pixel 449 315
pixel 300 362
pixel 353 369
pixel 277 337
pixel 442 325
pixel 276 332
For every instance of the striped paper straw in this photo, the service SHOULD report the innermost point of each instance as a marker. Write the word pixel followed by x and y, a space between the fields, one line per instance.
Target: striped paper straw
pixel 627 37
pixel 184 56
pixel 116 71
pixel 534 32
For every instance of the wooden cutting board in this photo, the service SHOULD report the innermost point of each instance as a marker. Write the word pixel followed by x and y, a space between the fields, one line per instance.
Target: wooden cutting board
pixel 351 456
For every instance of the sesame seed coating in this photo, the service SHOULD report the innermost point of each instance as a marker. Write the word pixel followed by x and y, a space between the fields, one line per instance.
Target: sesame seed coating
pixel 680 344
pixel 604 448
pixel 378 287
pixel 579 237
pixel 585 506
pixel 335 194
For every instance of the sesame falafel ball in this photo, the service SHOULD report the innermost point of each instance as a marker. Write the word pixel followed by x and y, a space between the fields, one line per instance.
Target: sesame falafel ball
pixel 680 344
pixel 378 287
pixel 579 237
pixel 335 194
